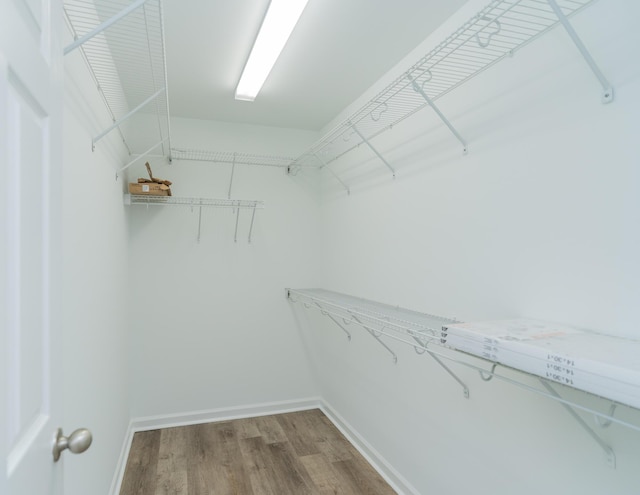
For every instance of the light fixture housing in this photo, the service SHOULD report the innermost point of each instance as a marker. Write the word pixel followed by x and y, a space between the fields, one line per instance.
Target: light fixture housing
pixel 282 16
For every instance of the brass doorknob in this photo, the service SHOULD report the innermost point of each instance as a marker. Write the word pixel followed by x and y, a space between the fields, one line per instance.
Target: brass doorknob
pixel 77 442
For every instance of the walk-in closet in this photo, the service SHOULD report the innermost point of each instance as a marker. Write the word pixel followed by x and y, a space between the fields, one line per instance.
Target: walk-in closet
pixel 406 261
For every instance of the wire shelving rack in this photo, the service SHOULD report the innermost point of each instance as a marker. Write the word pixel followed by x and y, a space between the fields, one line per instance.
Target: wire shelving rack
pixel 232 158
pixel 423 332
pixel 122 43
pixel 236 205
pixel 496 32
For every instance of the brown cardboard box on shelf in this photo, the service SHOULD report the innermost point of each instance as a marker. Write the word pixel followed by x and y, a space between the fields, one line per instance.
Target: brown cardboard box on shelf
pixel 151 186
pixel 149 189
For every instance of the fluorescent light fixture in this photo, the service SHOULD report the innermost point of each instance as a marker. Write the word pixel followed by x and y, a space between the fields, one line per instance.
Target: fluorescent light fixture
pixel 282 16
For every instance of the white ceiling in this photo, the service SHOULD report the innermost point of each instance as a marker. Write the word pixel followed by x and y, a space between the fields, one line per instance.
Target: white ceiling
pixel 338 50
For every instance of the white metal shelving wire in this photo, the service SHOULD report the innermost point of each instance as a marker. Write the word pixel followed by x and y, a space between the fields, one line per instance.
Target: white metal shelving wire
pixel 497 31
pixel 123 44
pixel 423 331
pixel 231 158
pixel 234 204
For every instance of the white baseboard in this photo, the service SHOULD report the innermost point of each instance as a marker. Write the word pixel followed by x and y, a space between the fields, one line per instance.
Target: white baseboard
pixel 388 472
pixel 118 476
pixel 379 463
pixel 224 414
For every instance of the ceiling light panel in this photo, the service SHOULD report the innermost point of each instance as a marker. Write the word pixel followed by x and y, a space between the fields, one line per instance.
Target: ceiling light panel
pixel 279 22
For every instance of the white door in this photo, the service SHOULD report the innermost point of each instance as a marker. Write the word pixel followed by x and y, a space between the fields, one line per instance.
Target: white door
pixel 30 160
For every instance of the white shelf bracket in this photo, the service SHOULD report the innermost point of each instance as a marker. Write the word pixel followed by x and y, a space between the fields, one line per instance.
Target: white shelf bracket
pixel 332 318
pixel 418 89
pixel 607 89
pixel 253 216
pixel 373 334
pixel 235 236
pixel 142 155
pixel 233 168
pixel 325 166
pixel 366 141
pixel 126 117
pixel 199 223
pixel 423 346
pixel 106 24
pixel 609 455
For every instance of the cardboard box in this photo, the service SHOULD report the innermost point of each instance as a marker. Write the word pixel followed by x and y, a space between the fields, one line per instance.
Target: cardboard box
pixel 149 189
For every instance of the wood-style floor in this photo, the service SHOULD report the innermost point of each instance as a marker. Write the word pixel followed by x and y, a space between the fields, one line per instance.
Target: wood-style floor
pixel 299 453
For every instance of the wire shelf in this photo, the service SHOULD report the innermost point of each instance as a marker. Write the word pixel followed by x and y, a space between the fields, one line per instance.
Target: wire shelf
pixel 497 31
pixel 406 325
pixel 143 199
pixel 231 157
pixel 423 332
pixel 123 44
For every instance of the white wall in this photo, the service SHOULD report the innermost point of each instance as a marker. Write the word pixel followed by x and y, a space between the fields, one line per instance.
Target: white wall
pixel 95 363
pixel 209 321
pixel 538 220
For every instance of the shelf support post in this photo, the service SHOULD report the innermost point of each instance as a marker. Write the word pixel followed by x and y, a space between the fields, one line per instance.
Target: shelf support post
pixel 122 119
pixel 106 24
pixel 324 165
pixel 366 141
pixel 418 89
pixel 253 216
pixel 607 89
pixel 372 333
pixel 608 452
pixel 199 223
pixel 235 236
pixel 233 168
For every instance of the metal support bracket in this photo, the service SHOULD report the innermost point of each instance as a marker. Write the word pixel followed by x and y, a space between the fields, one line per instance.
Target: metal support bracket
pixel 465 389
pixel 373 334
pixel 366 141
pixel 233 168
pixel 235 236
pixel 331 317
pixel 199 223
pixel 109 22
pixel 418 89
pixel 126 117
pixel 607 89
pixel 253 216
pixel 609 455
pixel 325 166
pixel 142 155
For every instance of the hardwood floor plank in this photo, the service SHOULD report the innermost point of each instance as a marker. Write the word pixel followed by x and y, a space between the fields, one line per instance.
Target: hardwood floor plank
pixel 270 430
pixel 140 473
pixel 172 462
pixel 290 476
pixel 258 462
pixel 300 432
pixel 323 475
pixel 367 481
pixel 216 467
pixel 333 443
pixel 246 428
